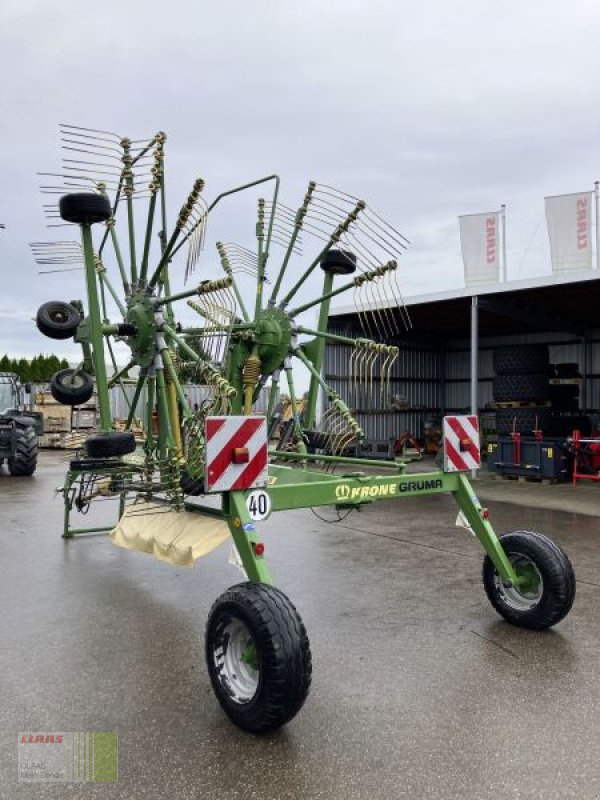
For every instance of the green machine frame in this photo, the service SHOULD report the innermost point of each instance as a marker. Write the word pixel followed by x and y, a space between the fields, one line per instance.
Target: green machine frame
pixel 236 351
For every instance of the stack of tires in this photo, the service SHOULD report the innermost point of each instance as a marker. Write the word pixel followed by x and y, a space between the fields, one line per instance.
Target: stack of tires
pixel 521 382
pixel 565 395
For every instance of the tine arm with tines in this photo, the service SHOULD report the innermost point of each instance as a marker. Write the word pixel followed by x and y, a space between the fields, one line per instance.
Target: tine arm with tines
pixel 184 214
pixel 298 224
pixel 225 264
pixel 333 239
pixel 154 188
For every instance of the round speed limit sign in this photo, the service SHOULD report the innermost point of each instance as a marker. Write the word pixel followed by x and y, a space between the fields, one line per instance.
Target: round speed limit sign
pixel 259 505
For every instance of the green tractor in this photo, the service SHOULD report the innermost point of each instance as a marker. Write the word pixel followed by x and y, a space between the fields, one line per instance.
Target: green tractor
pixel 19 429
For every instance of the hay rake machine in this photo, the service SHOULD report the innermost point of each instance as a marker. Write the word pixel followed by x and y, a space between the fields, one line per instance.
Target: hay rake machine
pixel 240 344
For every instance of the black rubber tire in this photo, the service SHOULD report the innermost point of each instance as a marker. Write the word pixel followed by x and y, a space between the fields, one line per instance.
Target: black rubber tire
pixel 85 208
pixel 524 420
pixel 526 388
pixel 57 320
pixel 71 394
pixel 557 574
pixel 24 460
pixel 283 650
pixel 339 262
pixel 519 359
pixel 110 444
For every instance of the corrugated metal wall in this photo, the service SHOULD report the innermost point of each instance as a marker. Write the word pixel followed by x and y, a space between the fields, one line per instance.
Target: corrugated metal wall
pixel 414 383
pixel 195 394
pixel 435 379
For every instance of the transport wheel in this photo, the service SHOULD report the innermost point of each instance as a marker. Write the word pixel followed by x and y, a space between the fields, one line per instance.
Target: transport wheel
pixel 85 208
pixel 24 460
pixel 258 656
pixel 57 320
pixel 110 444
pixel 548 592
pixel 71 390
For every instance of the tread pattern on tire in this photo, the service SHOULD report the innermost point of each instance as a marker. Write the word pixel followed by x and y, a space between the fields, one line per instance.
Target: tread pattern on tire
pixel 110 444
pixel 557 573
pixel 526 388
pixel 24 460
pixel 521 359
pixel 286 661
pixel 71 395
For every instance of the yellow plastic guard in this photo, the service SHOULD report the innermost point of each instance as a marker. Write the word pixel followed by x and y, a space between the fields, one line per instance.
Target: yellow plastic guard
pixel 177 537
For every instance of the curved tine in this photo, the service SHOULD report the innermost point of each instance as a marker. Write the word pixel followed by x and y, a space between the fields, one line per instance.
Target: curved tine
pixel 116 170
pixel 393 247
pixel 360 381
pixel 395 354
pixel 372 213
pixel 314 229
pixel 90 130
pixel 379 287
pixel 242 258
pixel 324 214
pixel 362 314
pixel 377 219
pixel 363 230
pixel 351 375
pixel 97 152
pixel 383 375
pixel 372 358
pixel 322 198
pixel 297 251
pixel 388 277
pixel 236 246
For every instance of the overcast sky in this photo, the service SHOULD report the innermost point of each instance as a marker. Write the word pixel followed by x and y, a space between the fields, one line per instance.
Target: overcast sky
pixel 427 110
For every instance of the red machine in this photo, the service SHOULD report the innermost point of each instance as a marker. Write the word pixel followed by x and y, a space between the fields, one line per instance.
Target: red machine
pixel 586 463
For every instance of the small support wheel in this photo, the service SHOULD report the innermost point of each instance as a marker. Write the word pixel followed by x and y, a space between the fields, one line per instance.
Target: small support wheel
pixel 57 320
pixel 110 444
pixel 258 656
pixel 85 208
pixel 548 589
pixel 70 388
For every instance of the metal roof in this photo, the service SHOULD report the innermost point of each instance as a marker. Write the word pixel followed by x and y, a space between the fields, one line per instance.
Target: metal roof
pixel 567 303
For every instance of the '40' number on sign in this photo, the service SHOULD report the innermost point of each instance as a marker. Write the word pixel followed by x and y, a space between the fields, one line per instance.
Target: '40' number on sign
pixel 259 505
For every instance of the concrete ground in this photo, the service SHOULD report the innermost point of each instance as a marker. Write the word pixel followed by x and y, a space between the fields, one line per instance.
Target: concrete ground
pixel 419 689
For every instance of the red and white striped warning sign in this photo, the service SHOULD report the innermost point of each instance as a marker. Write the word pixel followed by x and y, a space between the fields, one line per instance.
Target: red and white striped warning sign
pixel 236 453
pixel 461 444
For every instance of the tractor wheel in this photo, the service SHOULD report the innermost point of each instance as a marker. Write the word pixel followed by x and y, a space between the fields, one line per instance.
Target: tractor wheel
pixel 57 320
pixel 85 208
pixel 71 390
pixel 258 656
pixel 110 444
pixel 24 460
pixel 549 591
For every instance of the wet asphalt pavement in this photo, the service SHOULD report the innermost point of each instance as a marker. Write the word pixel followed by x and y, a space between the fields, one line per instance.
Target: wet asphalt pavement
pixel 419 689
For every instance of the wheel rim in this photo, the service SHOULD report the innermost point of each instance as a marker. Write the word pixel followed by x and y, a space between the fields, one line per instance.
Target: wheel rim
pixel 58 316
pixel 73 382
pixel 236 661
pixel 527 594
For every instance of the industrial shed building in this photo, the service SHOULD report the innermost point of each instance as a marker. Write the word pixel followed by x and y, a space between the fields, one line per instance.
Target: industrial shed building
pixel 446 356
